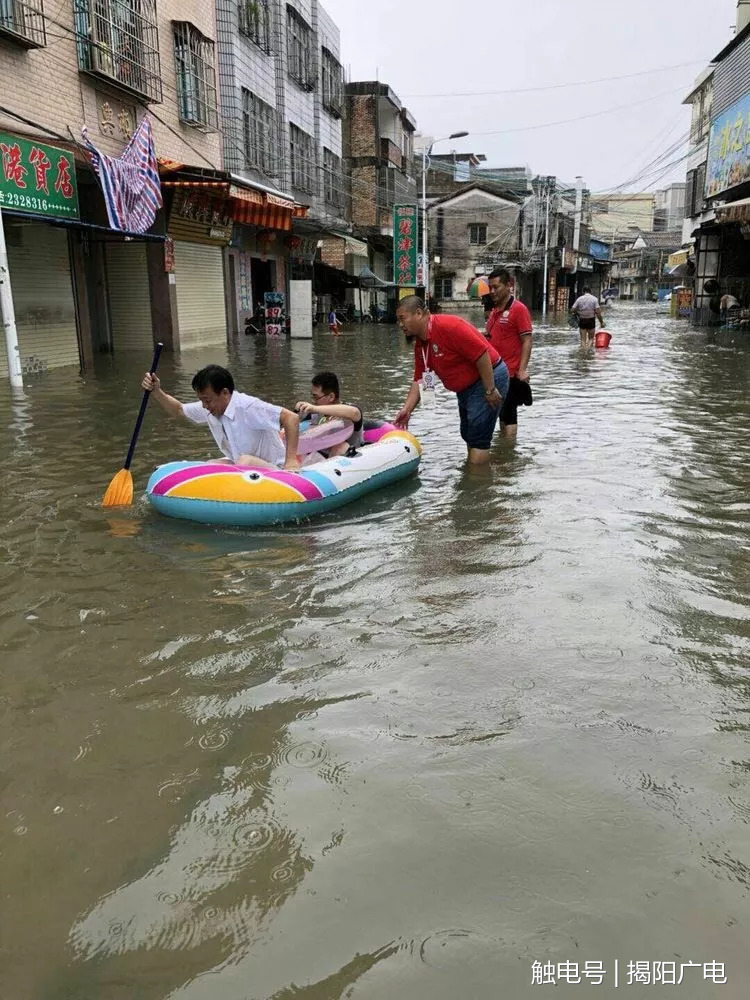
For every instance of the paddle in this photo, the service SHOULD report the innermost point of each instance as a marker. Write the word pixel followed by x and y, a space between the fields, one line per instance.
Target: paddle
pixel 120 490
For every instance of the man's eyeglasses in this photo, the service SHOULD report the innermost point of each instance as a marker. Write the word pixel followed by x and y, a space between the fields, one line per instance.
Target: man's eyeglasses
pixel 319 396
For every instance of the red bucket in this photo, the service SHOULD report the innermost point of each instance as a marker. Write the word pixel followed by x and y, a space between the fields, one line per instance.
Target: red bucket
pixel 603 338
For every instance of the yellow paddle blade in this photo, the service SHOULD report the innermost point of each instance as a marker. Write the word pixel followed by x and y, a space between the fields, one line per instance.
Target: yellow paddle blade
pixel 120 490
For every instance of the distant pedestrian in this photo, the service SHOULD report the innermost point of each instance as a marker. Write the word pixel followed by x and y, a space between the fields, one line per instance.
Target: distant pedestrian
pixel 333 323
pixel 509 330
pixel 452 350
pixel 586 310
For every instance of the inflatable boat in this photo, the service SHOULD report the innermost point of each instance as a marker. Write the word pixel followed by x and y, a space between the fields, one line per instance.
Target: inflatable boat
pixel 241 496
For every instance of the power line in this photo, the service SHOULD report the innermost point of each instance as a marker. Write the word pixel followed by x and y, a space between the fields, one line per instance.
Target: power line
pixel 556 86
pixel 580 118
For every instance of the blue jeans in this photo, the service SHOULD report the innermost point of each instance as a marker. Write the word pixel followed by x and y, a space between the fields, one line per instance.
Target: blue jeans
pixel 478 418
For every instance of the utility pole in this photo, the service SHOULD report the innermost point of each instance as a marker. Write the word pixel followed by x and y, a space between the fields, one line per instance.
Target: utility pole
pixel 8 315
pixel 546 251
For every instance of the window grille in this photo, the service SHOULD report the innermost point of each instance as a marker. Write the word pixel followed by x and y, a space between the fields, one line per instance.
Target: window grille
pixel 300 50
pixel 196 82
pixel 23 21
pixel 332 180
pixel 332 83
pixel 117 39
pixel 302 160
pixel 255 22
pixel 260 133
pixel 443 288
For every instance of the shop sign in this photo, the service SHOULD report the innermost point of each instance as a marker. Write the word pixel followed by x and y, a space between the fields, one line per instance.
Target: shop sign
pixel 405 244
pixel 37 178
pixel 274 308
pixel 585 263
pixel 729 149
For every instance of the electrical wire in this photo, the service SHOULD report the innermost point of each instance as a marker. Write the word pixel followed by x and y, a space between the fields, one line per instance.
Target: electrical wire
pixel 556 86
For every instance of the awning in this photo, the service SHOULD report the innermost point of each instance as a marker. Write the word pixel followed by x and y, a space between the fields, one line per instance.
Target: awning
pixel 356 248
pixel 249 206
pixel 735 211
pixel 368 279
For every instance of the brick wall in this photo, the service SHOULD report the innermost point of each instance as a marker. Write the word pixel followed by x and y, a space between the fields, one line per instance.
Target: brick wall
pixel 333 253
pixel 46 86
pixel 361 125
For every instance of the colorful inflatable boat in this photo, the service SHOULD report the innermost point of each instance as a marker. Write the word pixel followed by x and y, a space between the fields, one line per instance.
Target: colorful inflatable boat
pixel 248 497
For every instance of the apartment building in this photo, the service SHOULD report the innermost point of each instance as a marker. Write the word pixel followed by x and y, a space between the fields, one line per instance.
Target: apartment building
pixel 281 95
pixel 80 287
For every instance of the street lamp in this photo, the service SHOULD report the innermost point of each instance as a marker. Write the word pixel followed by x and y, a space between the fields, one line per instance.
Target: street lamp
pixel 426 150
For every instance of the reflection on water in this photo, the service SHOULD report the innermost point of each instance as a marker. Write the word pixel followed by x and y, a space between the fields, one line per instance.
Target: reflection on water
pixel 483 718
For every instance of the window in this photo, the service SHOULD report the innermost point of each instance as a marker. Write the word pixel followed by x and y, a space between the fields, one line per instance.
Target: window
pixel 332 83
pixel 443 288
pixel 23 21
pixel 255 22
pixel 117 39
pixel 260 133
pixel 302 160
pixel 332 181
pixel 300 50
pixel 477 234
pixel 196 83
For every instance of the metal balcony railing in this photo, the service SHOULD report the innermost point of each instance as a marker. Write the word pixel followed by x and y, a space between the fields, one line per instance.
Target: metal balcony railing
pixel 23 21
pixel 117 40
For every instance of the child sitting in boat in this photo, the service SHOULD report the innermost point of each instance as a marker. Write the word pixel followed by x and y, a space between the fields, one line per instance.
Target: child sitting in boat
pixel 326 405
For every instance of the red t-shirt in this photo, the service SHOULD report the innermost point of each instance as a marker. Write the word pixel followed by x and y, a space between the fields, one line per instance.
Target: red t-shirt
pixel 452 350
pixel 504 329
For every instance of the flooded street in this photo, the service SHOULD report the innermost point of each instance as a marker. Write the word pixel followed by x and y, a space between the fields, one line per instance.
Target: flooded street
pixel 474 721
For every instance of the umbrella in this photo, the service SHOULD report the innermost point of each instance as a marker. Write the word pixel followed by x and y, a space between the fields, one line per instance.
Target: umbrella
pixel 478 288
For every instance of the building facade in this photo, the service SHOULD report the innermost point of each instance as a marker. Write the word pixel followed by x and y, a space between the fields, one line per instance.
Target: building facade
pixel 379 145
pixel 281 88
pixel 79 287
pixel 718 180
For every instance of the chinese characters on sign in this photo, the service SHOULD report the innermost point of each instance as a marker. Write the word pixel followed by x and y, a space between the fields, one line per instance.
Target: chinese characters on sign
pixel 729 149
pixel 632 973
pixel 274 306
pixel 37 178
pixel 116 121
pixel 405 244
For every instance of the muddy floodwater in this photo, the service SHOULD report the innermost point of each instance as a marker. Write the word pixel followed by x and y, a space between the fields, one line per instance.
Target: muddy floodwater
pixel 470 723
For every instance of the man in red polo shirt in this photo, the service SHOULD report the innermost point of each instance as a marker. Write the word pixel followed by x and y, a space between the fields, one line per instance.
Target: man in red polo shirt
pixel 452 350
pixel 509 330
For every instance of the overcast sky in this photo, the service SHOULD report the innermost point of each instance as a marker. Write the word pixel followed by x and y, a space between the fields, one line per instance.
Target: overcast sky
pixel 425 49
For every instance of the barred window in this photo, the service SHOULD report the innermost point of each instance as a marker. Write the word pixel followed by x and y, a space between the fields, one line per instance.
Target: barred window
pixel 117 39
pixel 477 234
pixel 300 50
pixel 260 132
pixel 196 82
pixel 23 21
pixel 332 82
pixel 302 159
pixel 443 288
pixel 332 180
pixel 255 22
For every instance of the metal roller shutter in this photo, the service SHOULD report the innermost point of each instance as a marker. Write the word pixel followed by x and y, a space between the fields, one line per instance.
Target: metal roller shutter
pixel 42 297
pixel 129 297
pixel 201 313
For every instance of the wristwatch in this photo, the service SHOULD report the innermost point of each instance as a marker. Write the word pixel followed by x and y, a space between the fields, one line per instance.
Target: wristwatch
pixel 488 392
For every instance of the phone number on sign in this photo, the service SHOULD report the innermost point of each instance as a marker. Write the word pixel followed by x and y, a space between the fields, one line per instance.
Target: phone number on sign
pixel 633 973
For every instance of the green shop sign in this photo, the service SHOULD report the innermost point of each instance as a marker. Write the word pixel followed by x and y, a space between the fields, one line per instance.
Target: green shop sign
pixel 405 244
pixel 37 178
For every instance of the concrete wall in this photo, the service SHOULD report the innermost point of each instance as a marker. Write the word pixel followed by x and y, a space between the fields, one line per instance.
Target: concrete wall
pixel 46 86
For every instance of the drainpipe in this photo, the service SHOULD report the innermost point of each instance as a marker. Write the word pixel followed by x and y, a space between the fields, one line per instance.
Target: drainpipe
pixel 8 315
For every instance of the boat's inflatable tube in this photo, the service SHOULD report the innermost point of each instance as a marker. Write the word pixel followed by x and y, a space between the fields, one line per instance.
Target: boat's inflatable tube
pixel 318 437
pixel 248 497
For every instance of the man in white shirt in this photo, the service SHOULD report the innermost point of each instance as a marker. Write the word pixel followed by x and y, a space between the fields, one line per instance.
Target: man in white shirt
pixel 246 429
pixel 586 310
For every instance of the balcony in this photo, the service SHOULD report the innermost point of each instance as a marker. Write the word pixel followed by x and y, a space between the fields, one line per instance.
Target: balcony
pixel 118 42
pixel 23 22
pixel 391 153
